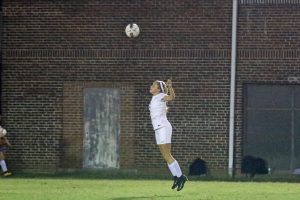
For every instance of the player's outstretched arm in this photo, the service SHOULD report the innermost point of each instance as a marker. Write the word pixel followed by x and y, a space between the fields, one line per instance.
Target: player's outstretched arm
pixel 171 92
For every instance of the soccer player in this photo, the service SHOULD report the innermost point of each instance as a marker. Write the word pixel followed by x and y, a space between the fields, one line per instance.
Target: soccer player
pixel 161 94
pixel 4 143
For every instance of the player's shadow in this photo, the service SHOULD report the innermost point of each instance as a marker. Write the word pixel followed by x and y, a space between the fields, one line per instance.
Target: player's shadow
pixel 142 197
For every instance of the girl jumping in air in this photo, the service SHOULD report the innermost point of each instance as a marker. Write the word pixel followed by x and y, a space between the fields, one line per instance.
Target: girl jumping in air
pixel 163 128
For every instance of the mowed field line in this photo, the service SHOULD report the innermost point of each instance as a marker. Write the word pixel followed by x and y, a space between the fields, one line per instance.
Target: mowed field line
pixel 81 189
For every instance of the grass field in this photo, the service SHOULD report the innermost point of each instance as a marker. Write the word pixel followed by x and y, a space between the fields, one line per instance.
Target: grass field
pixel 115 189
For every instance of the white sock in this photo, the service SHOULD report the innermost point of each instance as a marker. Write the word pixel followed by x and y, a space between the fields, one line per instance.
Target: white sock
pixel 177 168
pixel 172 168
pixel 3 165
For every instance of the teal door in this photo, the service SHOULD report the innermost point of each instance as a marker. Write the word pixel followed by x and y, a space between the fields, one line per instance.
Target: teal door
pixel 102 128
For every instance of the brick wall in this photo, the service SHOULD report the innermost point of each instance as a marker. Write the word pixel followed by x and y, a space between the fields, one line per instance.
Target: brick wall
pixel 53 49
pixel 268 43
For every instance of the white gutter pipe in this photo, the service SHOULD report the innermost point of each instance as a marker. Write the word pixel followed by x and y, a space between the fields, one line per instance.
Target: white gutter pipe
pixel 232 87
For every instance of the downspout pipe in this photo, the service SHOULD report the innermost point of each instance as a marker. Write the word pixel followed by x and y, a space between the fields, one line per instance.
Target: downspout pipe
pixel 232 87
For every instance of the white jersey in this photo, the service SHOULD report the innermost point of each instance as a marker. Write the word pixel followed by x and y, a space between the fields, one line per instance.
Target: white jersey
pixel 158 111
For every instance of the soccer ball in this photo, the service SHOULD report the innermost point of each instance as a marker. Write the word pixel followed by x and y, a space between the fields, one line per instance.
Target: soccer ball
pixel 132 30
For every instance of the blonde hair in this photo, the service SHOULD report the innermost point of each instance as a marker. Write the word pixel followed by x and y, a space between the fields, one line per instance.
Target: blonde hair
pixel 162 86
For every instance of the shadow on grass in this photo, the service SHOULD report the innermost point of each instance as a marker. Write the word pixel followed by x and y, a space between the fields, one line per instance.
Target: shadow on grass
pixel 142 197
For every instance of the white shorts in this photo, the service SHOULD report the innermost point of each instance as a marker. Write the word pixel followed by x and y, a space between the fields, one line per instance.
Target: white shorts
pixel 163 135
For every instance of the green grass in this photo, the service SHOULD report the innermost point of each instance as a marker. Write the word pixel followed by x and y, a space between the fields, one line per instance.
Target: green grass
pixel 65 188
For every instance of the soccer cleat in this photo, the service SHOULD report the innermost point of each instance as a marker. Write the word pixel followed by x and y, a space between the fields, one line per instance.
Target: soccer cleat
pixel 175 183
pixel 7 173
pixel 181 181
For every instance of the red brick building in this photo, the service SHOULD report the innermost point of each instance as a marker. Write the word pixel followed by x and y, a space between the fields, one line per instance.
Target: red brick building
pixel 53 51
